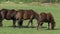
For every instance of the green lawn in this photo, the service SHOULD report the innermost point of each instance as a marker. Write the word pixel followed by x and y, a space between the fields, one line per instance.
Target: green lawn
pixel 7 29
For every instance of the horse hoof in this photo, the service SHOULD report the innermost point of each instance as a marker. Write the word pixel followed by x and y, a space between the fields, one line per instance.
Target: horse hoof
pixel 19 26
pixel 0 25
pixel 52 29
pixel 48 28
pixel 31 26
pixel 27 26
pixel 14 26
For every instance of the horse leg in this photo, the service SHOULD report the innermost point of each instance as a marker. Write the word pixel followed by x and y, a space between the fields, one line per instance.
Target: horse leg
pixel 20 22
pixel 14 23
pixel 1 19
pixel 31 22
pixel 28 23
pixel 48 25
pixel 39 25
pixel 52 25
pixel 1 23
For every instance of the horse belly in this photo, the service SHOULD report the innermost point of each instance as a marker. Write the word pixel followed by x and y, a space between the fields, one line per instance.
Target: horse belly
pixel 26 16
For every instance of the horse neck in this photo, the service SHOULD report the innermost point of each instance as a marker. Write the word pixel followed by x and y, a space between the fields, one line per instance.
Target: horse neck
pixel 14 14
pixel 36 16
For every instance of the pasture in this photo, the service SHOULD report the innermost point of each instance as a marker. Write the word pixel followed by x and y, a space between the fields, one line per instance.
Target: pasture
pixel 7 24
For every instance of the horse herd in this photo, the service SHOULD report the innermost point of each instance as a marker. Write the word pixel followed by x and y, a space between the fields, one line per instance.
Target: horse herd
pixel 21 15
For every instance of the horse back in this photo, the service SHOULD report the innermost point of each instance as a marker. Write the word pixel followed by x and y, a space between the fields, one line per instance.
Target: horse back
pixel 19 14
pixel 24 14
pixel 43 15
pixel 4 13
pixel 50 17
pixel 28 14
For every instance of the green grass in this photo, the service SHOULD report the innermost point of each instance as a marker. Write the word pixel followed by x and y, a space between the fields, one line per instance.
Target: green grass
pixel 17 1
pixel 6 29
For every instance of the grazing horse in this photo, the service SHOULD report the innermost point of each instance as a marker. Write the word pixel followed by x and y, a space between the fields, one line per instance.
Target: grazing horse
pixel 4 14
pixel 46 17
pixel 25 15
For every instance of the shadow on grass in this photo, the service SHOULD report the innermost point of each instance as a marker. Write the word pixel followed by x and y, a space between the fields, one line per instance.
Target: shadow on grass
pixel 23 26
pixel 44 27
pixel 54 29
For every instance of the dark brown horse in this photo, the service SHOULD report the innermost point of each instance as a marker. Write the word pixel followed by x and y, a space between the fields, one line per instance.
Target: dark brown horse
pixel 4 14
pixel 0 19
pixel 25 15
pixel 46 17
pixel 11 16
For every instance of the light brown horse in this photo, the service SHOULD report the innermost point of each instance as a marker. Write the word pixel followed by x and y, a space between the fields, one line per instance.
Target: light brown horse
pixel 46 17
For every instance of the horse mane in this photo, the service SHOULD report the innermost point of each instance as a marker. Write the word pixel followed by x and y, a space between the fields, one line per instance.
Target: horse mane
pixel 36 15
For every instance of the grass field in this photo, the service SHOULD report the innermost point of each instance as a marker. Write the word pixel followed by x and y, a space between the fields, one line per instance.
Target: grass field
pixel 7 29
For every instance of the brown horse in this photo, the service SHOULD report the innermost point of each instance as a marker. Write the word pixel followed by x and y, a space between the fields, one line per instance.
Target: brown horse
pixel 11 16
pixel 46 17
pixel 0 19
pixel 4 14
pixel 25 15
